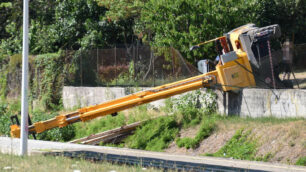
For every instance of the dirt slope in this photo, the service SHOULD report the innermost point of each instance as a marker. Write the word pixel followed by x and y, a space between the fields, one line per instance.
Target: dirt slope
pixel 286 141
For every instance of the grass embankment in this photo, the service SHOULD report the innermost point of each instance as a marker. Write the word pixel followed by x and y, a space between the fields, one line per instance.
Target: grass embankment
pixel 50 163
pixel 262 139
pixel 191 129
pixel 140 113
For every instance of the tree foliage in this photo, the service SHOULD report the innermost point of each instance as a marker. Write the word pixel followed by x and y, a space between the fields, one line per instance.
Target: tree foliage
pixel 62 24
pixel 289 14
pixel 183 23
pixel 75 24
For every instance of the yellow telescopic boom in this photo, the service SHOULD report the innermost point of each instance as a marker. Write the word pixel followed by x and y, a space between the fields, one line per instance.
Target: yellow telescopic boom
pixel 232 72
pixel 226 75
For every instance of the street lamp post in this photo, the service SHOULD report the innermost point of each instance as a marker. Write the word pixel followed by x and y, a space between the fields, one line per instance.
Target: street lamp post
pixel 24 87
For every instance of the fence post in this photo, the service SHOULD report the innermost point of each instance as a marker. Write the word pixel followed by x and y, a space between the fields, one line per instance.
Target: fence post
pixel 152 58
pixel 81 68
pixel 97 61
pixel 173 66
pixel 116 64
pixel 135 63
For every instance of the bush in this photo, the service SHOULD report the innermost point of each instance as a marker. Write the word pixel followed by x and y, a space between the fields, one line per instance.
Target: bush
pixel 191 107
pixel 56 134
pixel 5 124
pixel 7 110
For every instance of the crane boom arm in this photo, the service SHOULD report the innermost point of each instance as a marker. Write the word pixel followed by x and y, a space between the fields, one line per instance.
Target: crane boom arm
pixel 231 72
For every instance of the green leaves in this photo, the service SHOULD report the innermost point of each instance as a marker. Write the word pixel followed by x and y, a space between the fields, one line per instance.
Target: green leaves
pixel 182 23
pixel 56 134
pixel 6 5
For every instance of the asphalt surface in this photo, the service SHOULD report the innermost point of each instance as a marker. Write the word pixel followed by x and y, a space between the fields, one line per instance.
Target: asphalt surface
pixel 145 158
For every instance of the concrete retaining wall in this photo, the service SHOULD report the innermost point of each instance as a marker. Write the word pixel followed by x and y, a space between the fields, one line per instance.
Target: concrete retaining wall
pixel 247 102
pixel 264 103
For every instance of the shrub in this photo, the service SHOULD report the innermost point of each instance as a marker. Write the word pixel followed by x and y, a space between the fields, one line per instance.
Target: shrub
pixel 5 124
pixel 56 134
pixel 191 107
pixel 7 110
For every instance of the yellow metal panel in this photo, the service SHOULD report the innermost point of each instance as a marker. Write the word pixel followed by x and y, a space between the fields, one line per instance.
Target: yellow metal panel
pixel 15 131
pixel 234 76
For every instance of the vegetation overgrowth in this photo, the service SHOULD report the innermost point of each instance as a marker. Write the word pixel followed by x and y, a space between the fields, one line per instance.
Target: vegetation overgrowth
pixel 301 161
pixel 87 24
pixel 156 134
pixel 64 164
pixel 207 126
pixel 6 110
pixel 240 146
pixel 139 113
pixel 56 26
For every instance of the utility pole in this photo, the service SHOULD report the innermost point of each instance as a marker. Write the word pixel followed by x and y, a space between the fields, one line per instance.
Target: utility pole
pixel 24 87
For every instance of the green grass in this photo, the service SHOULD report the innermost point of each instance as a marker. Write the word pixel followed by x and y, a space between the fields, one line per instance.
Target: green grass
pixel 83 129
pixel 54 164
pixel 301 161
pixel 271 120
pixel 207 126
pixel 154 135
pixel 240 146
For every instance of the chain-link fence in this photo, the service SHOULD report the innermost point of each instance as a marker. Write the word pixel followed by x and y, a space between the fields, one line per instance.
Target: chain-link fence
pixel 130 66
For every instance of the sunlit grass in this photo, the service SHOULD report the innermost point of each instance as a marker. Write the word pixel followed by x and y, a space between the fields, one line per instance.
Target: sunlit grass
pixel 49 163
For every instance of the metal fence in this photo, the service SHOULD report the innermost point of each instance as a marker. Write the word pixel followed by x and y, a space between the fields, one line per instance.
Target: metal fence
pixel 130 66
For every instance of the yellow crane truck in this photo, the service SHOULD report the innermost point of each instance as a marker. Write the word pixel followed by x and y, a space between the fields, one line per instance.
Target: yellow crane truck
pixel 246 51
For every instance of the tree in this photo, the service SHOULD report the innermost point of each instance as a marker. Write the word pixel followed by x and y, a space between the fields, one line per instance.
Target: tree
pixel 125 14
pixel 182 23
pixel 289 14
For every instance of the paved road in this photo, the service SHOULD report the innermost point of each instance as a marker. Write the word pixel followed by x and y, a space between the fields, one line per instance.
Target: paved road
pixel 9 145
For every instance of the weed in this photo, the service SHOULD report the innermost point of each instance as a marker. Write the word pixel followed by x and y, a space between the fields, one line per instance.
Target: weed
pixel 262 120
pixel 121 145
pixel 238 147
pixel 99 125
pixel 190 107
pixel 56 134
pixel 154 135
pixel 207 127
pixel 7 110
pixel 5 124
pixel 301 161
pixel 61 163
pixel 265 158
pixel 291 143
